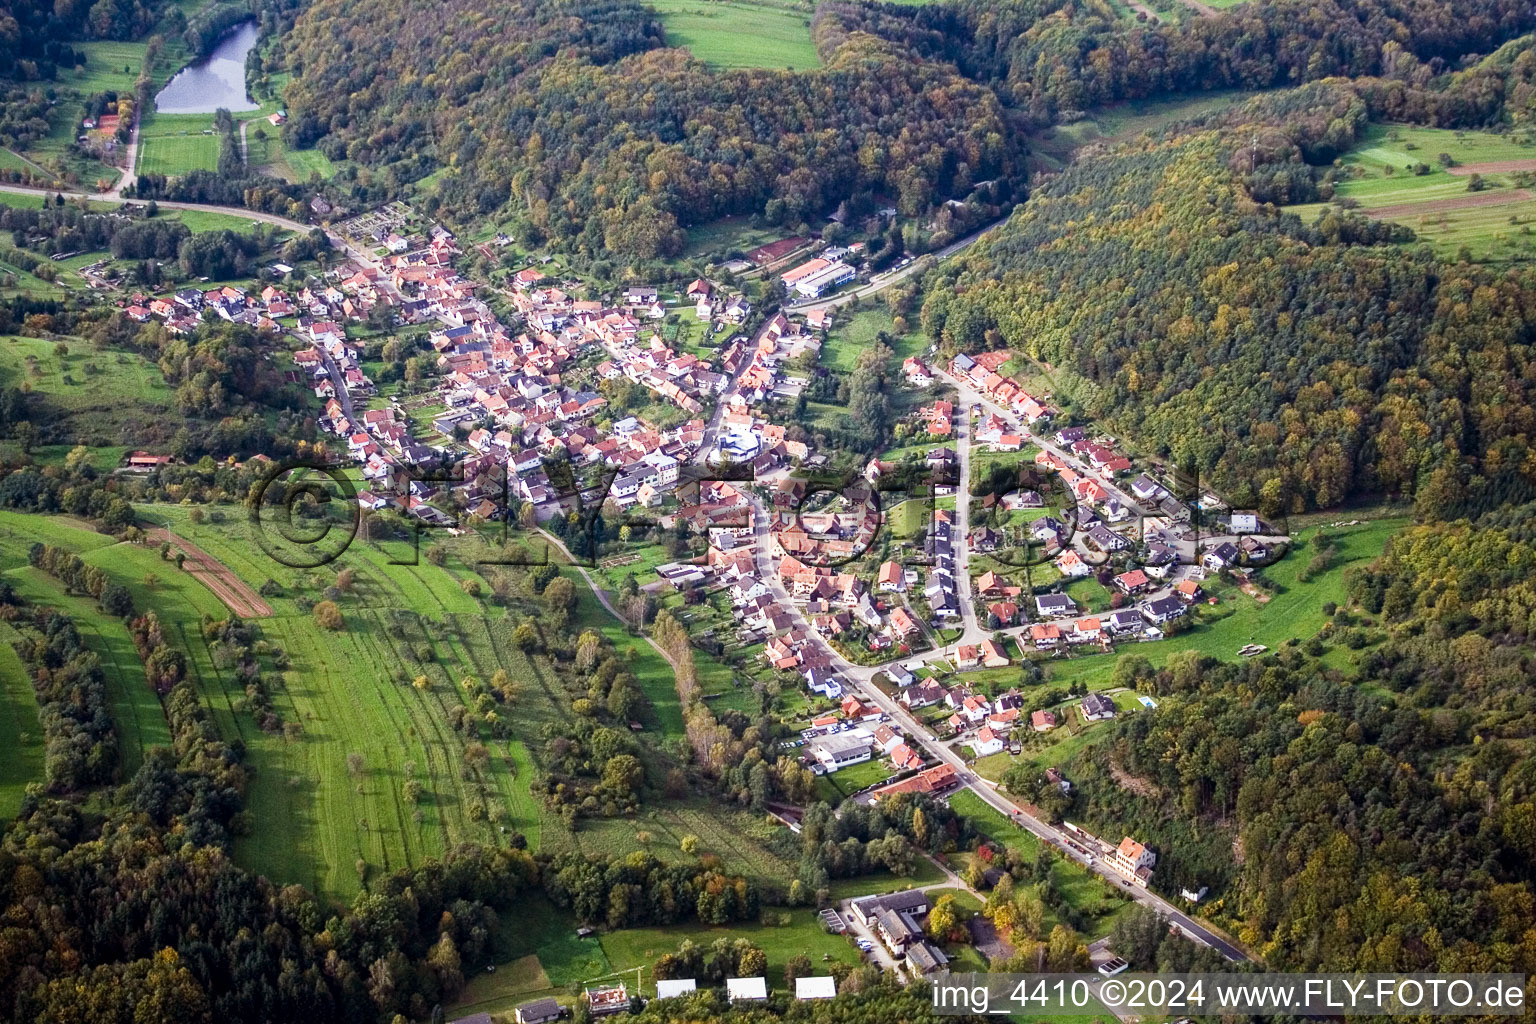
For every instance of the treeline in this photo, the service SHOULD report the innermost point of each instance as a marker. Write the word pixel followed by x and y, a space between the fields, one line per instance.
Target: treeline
pixel 68 228
pixel 614 146
pixel 78 577
pixel 1293 365
pixel 242 188
pixel 739 754
pixel 164 665
pixel 73 707
pixel 212 23
pixel 234 644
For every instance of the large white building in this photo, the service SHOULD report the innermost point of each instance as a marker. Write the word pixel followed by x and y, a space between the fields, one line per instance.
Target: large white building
pixel 814 284
pixel 842 749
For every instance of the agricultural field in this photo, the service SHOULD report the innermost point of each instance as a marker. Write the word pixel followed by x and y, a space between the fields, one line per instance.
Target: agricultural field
pixel 1440 205
pixel 741 33
pixel 363 708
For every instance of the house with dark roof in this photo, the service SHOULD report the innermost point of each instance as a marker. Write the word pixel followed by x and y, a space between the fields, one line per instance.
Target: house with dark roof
pixel 1163 609
pixel 540 1011
pixel 1096 707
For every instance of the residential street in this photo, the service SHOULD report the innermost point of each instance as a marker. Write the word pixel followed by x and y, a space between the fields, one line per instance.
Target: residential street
pixel 861 679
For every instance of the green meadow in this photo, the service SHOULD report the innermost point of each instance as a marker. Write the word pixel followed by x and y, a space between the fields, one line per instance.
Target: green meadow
pixel 92 397
pixel 1492 224
pixel 741 33
pixel 363 708
pixel 21 736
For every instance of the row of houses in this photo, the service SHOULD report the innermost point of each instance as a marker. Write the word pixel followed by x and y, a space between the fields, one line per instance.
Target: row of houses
pixel 981 373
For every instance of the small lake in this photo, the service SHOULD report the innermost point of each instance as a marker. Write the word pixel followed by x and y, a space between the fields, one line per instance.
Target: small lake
pixel 217 80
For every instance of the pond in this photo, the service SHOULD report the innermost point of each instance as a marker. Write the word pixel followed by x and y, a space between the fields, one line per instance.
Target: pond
pixel 217 80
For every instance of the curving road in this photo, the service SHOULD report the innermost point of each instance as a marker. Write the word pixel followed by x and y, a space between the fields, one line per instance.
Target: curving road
pixel 337 242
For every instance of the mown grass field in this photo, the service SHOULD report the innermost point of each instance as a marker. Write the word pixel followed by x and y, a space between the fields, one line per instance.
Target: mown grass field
pixel 741 33
pixel 1438 205
pixel 21 736
pixel 178 154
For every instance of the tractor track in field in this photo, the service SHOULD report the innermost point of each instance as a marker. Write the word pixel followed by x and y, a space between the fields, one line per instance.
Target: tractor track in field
pixel 226 585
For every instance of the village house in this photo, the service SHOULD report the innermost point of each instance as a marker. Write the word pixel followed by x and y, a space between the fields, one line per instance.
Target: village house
pixel 1132 859
pixel 1097 708
pixel 987 742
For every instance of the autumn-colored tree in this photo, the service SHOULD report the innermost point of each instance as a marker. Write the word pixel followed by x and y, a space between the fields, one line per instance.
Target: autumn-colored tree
pixel 327 615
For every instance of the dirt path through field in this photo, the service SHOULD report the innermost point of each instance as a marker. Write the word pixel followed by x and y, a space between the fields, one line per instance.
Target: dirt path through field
pixel 236 594
pixel 1494 167
pixel 1497 197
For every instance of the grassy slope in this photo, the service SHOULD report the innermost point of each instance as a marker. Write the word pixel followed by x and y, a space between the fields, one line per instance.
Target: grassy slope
pixel 135 709
pixel 21 735
pixel 345 691
pixel 852 333
pixel 1295 610
pixel 102 396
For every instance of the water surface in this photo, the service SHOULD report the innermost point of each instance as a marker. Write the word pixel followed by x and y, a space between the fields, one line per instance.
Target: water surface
pixel 217 80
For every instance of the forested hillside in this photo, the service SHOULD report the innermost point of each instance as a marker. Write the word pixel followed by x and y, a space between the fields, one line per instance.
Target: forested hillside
pixel 1296 364
pixel 569 117
pixel 1052 56
pixel 563 115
